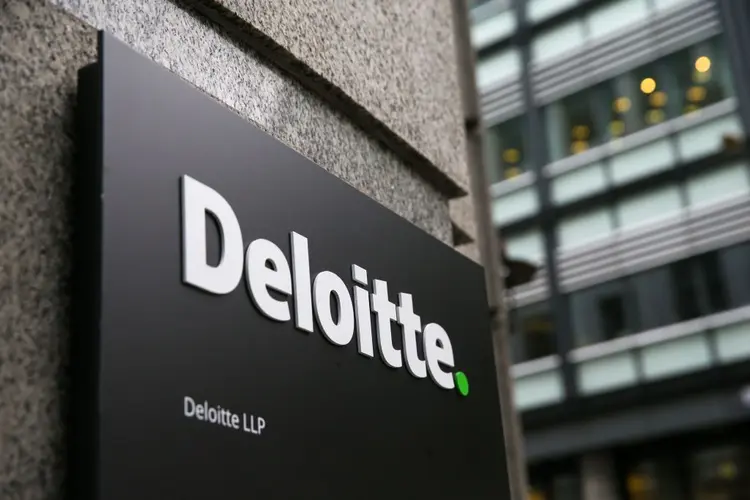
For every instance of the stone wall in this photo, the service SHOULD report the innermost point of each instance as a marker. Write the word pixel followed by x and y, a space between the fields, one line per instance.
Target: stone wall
pixel 367 90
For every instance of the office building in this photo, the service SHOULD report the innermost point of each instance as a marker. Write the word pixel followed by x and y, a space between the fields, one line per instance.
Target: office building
pixel 342 83
pixel 615 139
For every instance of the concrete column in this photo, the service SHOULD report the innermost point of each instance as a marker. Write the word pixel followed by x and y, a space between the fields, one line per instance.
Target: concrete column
pixel 368 90
pixel 598 477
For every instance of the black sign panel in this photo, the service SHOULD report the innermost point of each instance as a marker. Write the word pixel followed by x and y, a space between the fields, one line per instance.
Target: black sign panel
pixel 250 326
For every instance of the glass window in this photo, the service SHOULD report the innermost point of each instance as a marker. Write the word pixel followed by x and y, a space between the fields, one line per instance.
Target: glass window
pixel 735 269
pixel 533 333
pixel 651 94
pixel 566 486
pixel 615 15
pixel 701 76
pixel 626 106
pixel 499 66
pixel 721 473
pixel 603 312
pixel 672 293
pixel 505 152
pixel 476 3
pixel 668 4
pixel 649 206
pixel 711 282
pixel 526 245
pixel 585 227
pixel 539 10
pixel 718 184
pixel 654 480
pixel 690 288
pixel 558 41
pixel 655 296
pixel 493 29
pixel 574 124
pixel 536 494
pixel 686 289
pixel 555 480
pixel 652 88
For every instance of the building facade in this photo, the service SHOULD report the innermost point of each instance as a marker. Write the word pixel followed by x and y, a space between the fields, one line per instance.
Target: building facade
pixel 615 138
pixel 342 83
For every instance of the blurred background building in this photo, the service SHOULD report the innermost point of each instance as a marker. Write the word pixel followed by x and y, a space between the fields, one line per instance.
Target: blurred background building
pixel 616 145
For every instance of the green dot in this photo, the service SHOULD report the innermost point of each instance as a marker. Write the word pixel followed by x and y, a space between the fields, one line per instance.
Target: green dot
pixel 462 383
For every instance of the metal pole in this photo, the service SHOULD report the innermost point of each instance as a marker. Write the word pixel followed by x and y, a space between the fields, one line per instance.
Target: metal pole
pixel 488 243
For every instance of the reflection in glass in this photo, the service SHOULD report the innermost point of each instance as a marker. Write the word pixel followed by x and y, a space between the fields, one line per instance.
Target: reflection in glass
pixel 681 291
pixel 701 74
pixel 626 106
pixel 651 94
pixel 721 473
pixel 533 333
pixel 654 480
pixel 505 152
pixel 572 126
pixel 601 313
pixel 735 269
pixel 683 277
pixel 655 295
pixel 500 5
pixel 712 282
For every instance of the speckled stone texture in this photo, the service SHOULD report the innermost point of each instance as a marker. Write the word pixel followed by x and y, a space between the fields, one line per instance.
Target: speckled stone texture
pixel 462 215
pixel 389 67
pixel 41 48
pixel 207 58
pixel 396 58
pixel 40 52
pixel 471 251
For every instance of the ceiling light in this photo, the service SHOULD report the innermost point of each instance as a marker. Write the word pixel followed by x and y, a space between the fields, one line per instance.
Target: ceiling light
pixel 696 93
pixel 616 128
pixel 699 77
pixel 658 99
pixel 511 155
pixel 648 85
pixel 581 132
pixel 511 172
pixel 621 105
pixel 703 64
pixel 690 108
pixel 579 147
pixel 655 116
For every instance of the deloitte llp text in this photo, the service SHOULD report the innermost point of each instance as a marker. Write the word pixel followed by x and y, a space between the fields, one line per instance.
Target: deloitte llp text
pixel 265 267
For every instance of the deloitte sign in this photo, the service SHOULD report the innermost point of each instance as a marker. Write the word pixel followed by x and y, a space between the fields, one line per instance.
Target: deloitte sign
pixel 247 325
pixel 267 270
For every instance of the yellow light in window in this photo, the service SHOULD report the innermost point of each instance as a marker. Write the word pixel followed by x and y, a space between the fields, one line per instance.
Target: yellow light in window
pixel 703 64
pixel 579 147
pixel 727 470
pixel 616 128
pixel 658 99
pixel 621 105
pixel 654 116
pixel 538 325
pixel 690 108
pixel 512 172
pixel 648 85
pixel 535 495
pixel 638 483
pixel 511 155
pixel 699 77
pixel 581 132
pixel 696 93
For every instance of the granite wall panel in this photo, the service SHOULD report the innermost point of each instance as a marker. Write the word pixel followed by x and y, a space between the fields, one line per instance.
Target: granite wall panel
pixel 41 48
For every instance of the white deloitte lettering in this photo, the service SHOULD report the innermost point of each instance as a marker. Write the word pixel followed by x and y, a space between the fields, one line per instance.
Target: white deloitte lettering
pixel 266 268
